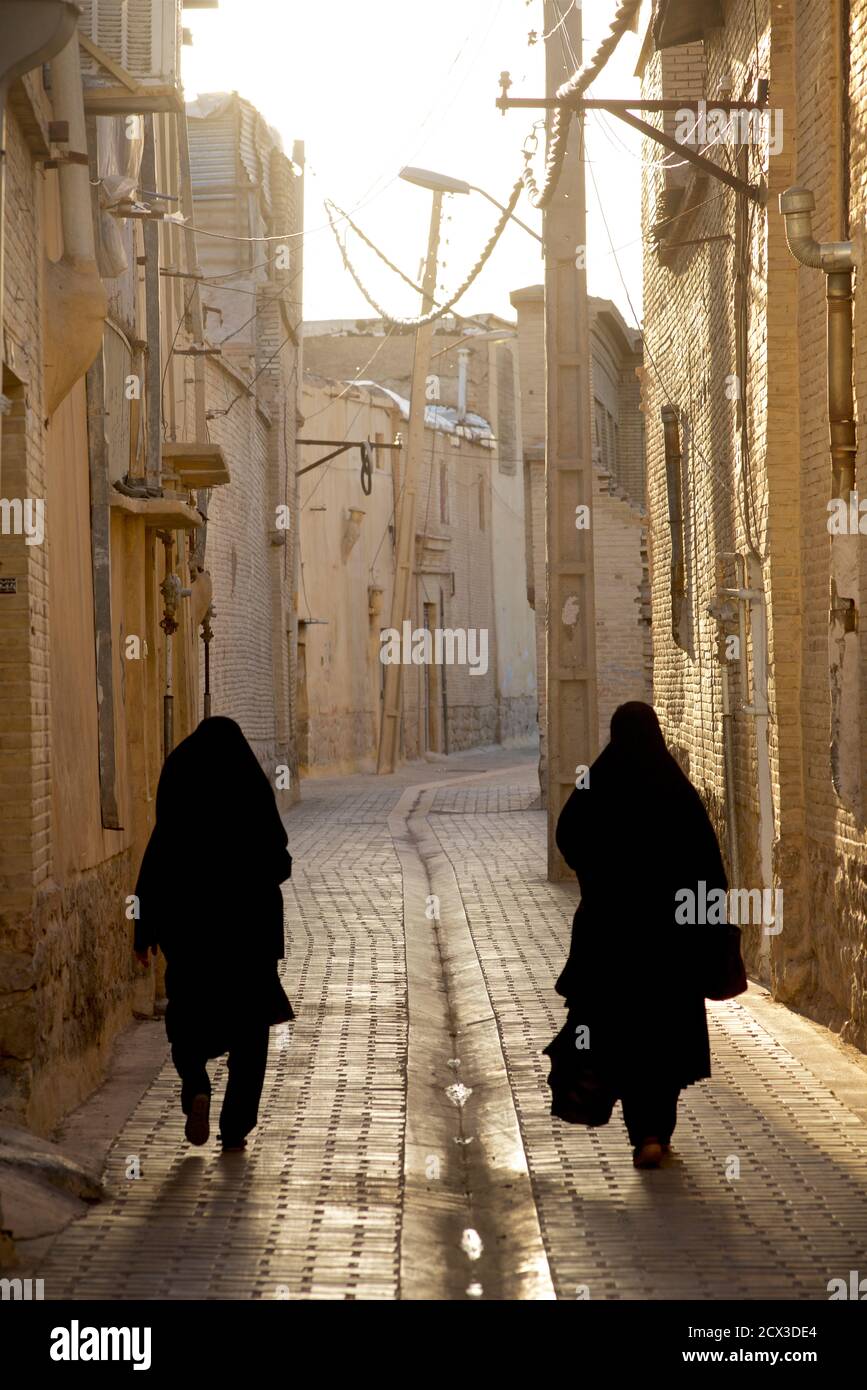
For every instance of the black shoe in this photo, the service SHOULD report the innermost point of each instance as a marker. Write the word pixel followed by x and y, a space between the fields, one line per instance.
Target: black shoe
pixel 198 1126
pixel 232 1146
pixel 648 1154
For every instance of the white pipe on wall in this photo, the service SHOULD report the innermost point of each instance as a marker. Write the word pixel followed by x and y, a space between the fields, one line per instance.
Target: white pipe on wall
pixel 463 370
pixel 75 302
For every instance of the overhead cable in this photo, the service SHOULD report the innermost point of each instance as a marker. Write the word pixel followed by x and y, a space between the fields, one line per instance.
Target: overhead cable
pixel 575 87
pixel 443 309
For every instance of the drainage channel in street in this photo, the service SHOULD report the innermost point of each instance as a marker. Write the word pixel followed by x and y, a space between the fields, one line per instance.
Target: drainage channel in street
pixel 470 1229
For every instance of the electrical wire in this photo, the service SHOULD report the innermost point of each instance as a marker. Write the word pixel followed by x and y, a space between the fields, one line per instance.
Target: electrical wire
pixel 562 19
pixel 358 377
pixel 364 200
pixel 615 142
pixel 290 336
pixel 710 466
pixel 407 279
pixel 443 309
pixel 442 98
pixel 181 317
pixel 576 85
pixel 260 308
pixel 351 424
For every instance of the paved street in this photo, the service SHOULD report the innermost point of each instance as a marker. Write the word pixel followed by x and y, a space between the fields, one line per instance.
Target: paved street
pixel 405 1146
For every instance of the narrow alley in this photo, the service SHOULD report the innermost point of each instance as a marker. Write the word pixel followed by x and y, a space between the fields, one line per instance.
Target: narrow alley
pixel 397 1158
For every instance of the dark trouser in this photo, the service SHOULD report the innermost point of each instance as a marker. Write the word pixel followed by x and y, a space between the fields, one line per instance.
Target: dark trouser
pixel 248 1055
pixel 650 1112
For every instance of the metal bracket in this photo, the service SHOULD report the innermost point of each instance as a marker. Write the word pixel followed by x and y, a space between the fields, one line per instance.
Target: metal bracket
pixel 340 447
pixel 716 171
pixel 623 109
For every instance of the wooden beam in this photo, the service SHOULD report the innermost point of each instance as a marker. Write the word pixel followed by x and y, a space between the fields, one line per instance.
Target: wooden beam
pixel 119 101
pixel 571 724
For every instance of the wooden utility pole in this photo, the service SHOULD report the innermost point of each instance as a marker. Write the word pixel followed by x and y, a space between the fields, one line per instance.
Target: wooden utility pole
pixel 401 603
pixel 572 732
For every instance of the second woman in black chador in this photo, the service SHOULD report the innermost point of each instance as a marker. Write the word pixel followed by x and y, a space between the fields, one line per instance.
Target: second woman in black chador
pixel 209 897
pixel 636 1028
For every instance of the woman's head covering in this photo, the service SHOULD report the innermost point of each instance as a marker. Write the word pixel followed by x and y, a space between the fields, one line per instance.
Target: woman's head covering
pixel 639 821
pixel 218 833
pixel 635 728
pixel 212 778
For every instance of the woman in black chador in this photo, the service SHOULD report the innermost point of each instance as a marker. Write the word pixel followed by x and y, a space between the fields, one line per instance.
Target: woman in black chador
pixel 636 1029
pixel 209 897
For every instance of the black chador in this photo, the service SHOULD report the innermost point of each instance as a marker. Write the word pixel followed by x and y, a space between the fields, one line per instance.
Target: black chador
pixel 209 898
pixel 636 1029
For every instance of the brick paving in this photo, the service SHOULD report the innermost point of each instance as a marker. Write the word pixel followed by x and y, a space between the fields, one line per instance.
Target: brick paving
pixel 313 1210
pixel 795 1217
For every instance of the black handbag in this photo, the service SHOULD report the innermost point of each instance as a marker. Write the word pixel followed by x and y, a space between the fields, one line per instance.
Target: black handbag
pixel 581 1093
pixel 721 968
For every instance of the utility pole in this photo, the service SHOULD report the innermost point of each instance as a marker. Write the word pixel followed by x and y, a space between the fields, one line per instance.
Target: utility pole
pixel 572 722
pixel 389 733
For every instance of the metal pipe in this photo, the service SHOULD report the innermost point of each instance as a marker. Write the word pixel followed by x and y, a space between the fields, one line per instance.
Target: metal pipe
pixel 797 206
pixel 760 712
pixel 841 399
pixel 837 260
pixel 673 462
pixel 153 364
pixel 750 591
pixel 445 700
pixel 207 637
pixel 729 759
pixel 463 369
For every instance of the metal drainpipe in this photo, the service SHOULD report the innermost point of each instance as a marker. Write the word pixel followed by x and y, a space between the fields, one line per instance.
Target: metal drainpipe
pixel 837 260
pixel 673 465
pixel 207 638
pixel 153 359
pixel 751 591
pixel 724 612
pixel 729 756
pixel 172 591
pixel 463 371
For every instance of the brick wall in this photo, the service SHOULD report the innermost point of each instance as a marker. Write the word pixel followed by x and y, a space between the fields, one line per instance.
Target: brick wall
pixel 764 488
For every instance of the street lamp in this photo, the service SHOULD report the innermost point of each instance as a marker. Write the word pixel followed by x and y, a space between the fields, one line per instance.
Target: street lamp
pixel 443 183
pixel 438 184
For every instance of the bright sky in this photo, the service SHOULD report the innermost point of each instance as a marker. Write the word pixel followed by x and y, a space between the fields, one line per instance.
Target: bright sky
pixel 371 87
